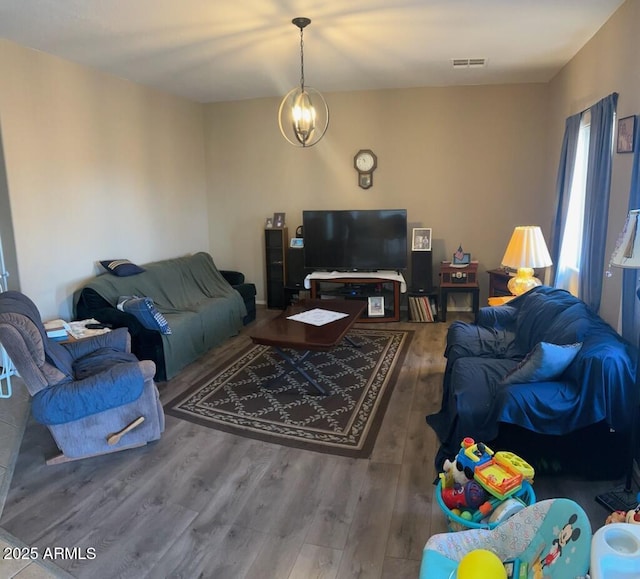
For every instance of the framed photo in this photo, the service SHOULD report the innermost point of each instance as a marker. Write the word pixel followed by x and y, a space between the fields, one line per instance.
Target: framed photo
pixel 296 242
pixel 375 306
pixel 278 219
pixel 421 239
pixel 461 259
pixel 626 132
pixel 268 224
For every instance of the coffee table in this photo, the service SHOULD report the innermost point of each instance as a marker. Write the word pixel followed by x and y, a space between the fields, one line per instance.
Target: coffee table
pixel 281 333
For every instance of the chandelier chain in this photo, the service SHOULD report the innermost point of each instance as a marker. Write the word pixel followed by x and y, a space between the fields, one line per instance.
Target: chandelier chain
pixel 302 59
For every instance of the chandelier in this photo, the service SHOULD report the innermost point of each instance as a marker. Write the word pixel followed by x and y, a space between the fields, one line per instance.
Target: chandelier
pixel 303 115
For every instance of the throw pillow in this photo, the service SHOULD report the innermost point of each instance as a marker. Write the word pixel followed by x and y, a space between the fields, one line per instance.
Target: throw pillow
pixel 121 267
pixel 145 312
pixel 545 362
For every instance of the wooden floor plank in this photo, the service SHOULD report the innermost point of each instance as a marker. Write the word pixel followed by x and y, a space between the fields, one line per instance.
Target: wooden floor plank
pixel 288 494
pixel 364 555
pixel 277 556
pixel 400 568
pixel 338 503
pixel 129 540
pixel 315 562
pixel 411 519
pixel 389 445
pixel 223 552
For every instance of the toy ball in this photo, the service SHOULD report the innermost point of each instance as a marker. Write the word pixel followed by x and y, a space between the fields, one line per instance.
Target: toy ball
pixel 481 564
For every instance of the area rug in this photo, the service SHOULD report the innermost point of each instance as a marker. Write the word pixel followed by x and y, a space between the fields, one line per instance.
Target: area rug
pixel 258 395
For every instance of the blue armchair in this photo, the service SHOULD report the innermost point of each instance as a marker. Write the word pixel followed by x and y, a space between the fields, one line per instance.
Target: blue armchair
pixel 93 395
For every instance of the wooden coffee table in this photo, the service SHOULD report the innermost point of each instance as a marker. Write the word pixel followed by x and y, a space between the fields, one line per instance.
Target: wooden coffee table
pixel 281 333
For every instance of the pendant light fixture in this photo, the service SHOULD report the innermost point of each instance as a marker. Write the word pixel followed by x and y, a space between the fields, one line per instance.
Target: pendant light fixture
pixel 303 115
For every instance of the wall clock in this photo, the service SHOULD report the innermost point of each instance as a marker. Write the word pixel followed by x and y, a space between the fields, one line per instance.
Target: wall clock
pixel 365 162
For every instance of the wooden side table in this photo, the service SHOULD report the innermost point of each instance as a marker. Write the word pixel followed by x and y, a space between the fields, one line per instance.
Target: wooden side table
pixel 445 290
pixel 498 279
pixel 447 274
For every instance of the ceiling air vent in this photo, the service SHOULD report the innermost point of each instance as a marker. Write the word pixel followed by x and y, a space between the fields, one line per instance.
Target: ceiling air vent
pixel 469 62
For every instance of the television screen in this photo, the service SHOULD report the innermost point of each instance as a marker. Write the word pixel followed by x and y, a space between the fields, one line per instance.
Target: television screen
pixel 359 240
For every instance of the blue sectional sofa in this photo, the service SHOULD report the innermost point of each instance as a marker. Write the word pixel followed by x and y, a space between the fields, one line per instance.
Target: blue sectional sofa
pixel 497 373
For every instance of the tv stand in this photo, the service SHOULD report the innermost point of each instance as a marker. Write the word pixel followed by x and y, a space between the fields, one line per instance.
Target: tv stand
pixel 360 286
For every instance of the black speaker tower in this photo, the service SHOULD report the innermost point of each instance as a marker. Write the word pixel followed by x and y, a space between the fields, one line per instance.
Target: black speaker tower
pixel 295 267
pixel 421 271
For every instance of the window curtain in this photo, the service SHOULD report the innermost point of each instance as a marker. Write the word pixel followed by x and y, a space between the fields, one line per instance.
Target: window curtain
pixel 596 208
pixel 563 185
pixel 630 304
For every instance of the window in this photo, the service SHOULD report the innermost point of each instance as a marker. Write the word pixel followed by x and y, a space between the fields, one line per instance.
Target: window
pixel 568 275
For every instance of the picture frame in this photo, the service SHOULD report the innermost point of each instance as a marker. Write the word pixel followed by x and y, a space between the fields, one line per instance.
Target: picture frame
pixel 268 224
pixel 421 239
pixel 296 242
pixel 464 260
pixel 278 219
pixel 375 306
pixel 626 134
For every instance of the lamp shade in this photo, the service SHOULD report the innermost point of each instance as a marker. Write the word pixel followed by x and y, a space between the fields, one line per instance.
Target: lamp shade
pixel 627 251
pixel 526 249
pixel 525 252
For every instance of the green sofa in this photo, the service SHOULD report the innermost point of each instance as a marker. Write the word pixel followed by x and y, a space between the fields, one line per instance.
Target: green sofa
pixel 201 307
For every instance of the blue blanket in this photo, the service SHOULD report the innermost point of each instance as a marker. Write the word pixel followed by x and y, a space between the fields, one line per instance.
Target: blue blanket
pixel 597 386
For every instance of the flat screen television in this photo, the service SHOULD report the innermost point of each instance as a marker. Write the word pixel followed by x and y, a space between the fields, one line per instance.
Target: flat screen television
pixel 358 240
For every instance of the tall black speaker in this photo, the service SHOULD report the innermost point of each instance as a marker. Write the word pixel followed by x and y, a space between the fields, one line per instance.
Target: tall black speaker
pixel 421 271
pixel 275 240
pixel 295 267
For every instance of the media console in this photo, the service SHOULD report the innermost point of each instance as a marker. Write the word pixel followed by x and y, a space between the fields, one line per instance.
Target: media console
pixel 387 285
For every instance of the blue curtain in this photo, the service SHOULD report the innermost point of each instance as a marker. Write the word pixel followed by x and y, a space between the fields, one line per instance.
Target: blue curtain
pixel 596 208
pixel 563 185
pixel 630 305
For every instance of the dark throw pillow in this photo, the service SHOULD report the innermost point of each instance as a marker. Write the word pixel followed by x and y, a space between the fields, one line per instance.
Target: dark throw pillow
pixel 121 267
pixel 544 363
pixel 145 312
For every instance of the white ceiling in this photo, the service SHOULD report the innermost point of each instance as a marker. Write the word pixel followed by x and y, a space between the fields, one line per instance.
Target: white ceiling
pixel 218 50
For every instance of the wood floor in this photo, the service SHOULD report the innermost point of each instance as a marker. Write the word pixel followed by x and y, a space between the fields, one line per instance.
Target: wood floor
pixel 202 503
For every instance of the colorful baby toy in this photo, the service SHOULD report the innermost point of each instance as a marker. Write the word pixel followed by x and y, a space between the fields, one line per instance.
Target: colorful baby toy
pixel 479 481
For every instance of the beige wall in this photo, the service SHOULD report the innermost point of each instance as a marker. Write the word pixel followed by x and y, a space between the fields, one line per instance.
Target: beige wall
pixel 9 262
pixel 467 161
pixel 97 168
pixel 606 64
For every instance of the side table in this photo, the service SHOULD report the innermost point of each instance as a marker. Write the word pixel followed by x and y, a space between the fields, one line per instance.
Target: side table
pixel 498 279
pixel 73 331
pixel 445 290
pixel 469 284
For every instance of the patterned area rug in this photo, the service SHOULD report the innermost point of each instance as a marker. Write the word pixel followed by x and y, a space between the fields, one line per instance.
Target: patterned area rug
pixel 260 396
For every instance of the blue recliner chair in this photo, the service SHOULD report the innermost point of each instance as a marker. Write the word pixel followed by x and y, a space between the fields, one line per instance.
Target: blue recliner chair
pixel 93 395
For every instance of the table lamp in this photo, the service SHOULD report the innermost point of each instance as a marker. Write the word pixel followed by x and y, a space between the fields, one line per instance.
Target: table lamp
pixel 627 255
pixel 526 251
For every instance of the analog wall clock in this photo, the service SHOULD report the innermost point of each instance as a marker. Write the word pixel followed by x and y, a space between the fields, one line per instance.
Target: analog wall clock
pixel 365 162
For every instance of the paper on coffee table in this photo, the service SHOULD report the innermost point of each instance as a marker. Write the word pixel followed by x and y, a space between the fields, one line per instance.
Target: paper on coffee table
pixel 317 317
